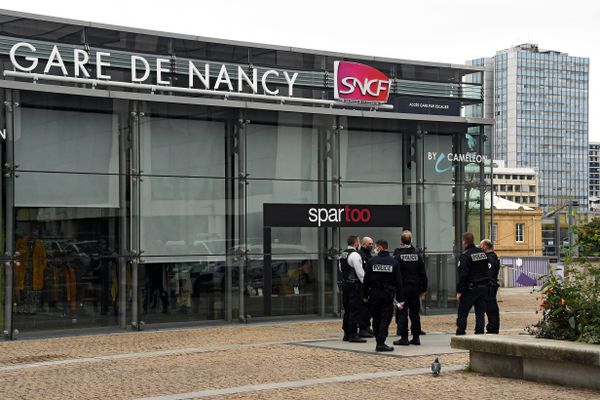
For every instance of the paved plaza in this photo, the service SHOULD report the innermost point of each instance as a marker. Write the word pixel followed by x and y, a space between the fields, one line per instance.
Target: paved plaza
pixel 289 360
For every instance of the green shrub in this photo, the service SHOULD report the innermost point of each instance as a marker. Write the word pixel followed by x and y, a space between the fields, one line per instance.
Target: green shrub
pixel 588 238
pixel 571 306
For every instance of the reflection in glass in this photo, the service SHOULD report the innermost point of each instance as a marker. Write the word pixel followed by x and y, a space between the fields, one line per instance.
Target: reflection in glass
pixel 70 141
pixel 293 284
pixel 371 156
pixel 68 268
pixel 185 291
pixel 284 239
pixel 441 273
pixel 282 151
pixel 181 216
pixel 185 147
pixel 438 212
pixel 34 189
pixel 370 193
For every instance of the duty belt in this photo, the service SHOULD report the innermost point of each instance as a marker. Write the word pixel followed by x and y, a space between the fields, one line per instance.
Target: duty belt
pixel 478 283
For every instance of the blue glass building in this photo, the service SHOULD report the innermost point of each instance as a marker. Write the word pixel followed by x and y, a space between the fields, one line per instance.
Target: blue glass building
pixel 594 157
pixel 540 104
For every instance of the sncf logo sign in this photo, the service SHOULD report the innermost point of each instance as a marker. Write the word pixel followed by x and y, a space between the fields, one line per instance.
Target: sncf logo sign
pixel 359 82
pixel 337 215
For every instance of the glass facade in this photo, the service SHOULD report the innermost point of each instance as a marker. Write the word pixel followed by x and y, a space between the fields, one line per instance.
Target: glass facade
pixel 127 210
pixel 594 176
pixel 541 111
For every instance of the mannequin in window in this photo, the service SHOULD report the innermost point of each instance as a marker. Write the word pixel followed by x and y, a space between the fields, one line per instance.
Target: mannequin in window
pixel 29 272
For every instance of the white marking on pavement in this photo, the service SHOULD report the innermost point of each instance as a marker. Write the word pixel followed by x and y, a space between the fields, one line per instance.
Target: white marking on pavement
pixel 301 383
pixel 146 354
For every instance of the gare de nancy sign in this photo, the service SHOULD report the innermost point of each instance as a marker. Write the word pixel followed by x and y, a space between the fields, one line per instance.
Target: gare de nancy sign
pixel 353 82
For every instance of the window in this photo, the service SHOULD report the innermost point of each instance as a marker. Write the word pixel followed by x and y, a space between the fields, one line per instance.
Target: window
pixel 493 232
pixel 520 233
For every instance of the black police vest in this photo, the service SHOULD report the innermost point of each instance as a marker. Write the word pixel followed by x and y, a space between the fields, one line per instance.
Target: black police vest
pixel 348 273
pixel 409 265
pixel 383 271
pixel 479 266
pixel 495 266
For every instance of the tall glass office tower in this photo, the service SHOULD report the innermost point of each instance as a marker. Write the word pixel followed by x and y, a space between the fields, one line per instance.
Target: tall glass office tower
pixel 540 103
pixel 594 159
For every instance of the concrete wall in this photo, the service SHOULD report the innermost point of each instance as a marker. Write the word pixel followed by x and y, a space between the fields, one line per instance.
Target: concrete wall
pixel 526 357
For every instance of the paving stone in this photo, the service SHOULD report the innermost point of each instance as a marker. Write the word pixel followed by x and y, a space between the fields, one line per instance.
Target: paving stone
pixel 143 364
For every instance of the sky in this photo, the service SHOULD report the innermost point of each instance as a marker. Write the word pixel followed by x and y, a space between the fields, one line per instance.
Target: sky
pixel 430 30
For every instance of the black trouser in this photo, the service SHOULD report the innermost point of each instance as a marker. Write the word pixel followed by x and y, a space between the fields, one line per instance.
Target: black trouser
pixel 412 307
pixel 364 321
pixel 381 308
pixel 492 311
pixel 352 302
pixel 472 297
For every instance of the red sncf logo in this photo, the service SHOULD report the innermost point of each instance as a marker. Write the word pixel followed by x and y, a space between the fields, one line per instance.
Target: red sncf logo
pixel 359 82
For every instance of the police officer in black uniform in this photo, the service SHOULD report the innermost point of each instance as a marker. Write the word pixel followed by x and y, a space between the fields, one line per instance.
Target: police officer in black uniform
pixel 473 284
pixel 366 251
pixel 382 284
pixel 351 268
pixel 414 283
pixel 492 311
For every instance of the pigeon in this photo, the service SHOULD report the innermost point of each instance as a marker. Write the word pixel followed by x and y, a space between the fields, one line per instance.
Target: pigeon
pixel 436 367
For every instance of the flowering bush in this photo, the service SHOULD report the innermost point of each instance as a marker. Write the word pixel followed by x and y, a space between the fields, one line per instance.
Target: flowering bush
pixel 570 306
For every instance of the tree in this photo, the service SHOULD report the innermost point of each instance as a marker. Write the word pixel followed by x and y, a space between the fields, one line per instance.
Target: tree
pixel 588 238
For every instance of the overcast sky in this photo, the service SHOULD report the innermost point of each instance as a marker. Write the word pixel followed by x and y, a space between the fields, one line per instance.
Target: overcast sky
pixel 432 30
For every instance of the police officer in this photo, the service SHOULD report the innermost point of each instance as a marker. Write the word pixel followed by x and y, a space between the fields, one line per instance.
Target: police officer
pixel 351 268
pixel 492 311
pixel 472 286
pixel 414 283
pixel 366 248
pixel 364 324
pixel 383 284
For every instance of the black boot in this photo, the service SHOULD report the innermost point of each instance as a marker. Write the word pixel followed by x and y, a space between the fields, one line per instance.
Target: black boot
pixel 356 339
pixel 415 340
pixel 403 341
pixel 384 347
pixel 365 333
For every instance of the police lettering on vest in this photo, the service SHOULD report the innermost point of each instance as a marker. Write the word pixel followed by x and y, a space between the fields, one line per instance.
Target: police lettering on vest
pixel 412 268
pixel 473 268
pixel 409 257
pixel 382 268
pixel 479 257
